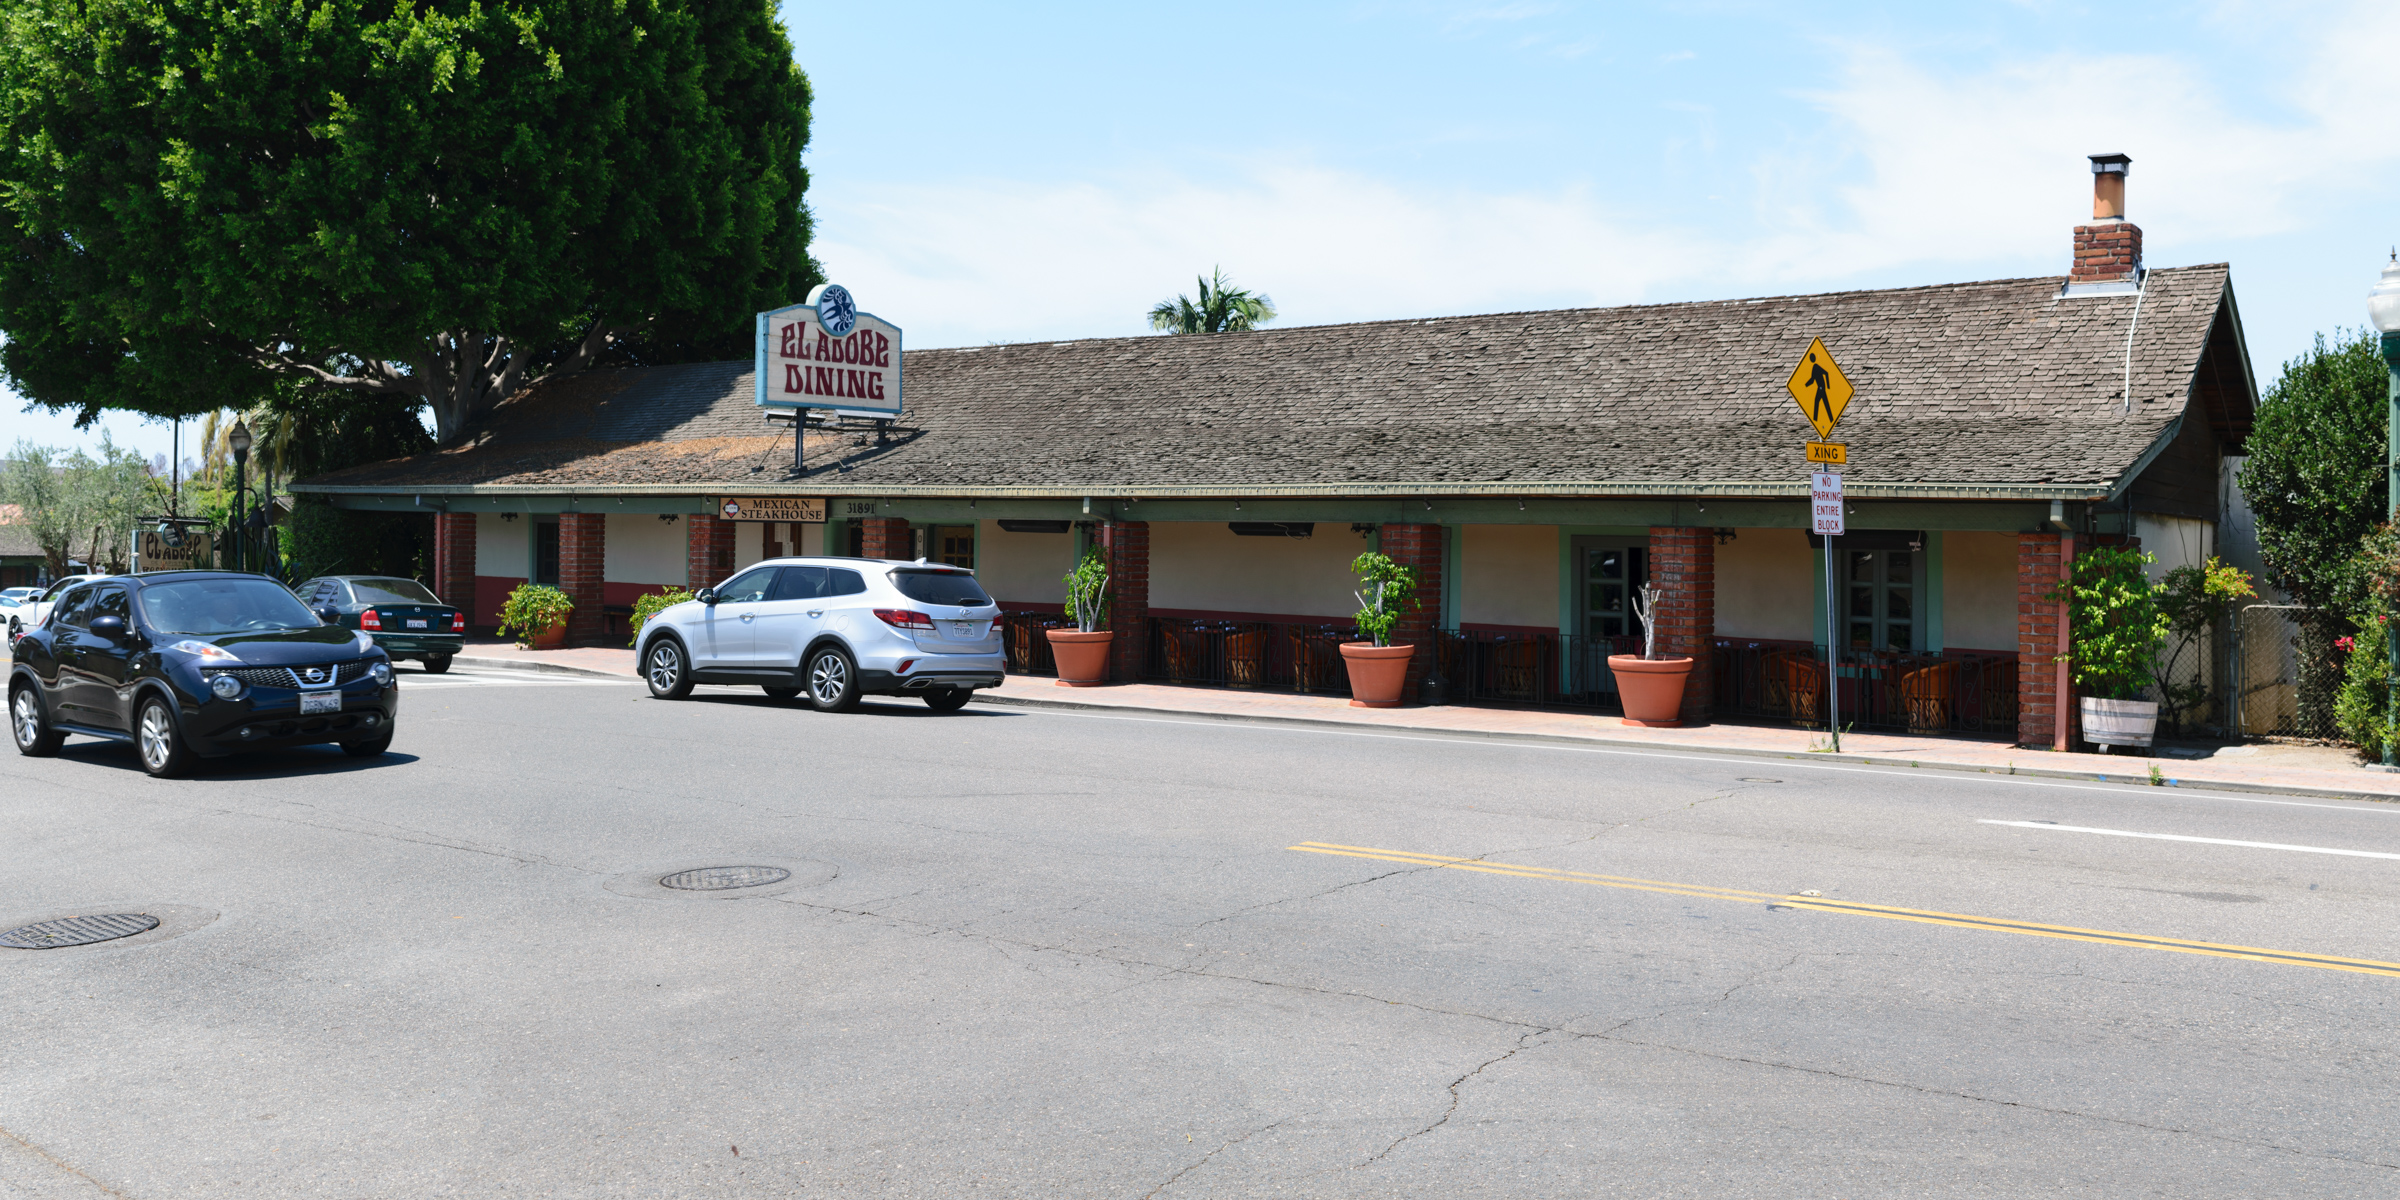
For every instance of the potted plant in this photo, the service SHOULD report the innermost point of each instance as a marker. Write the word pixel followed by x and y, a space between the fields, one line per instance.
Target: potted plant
pixel 1650 687
pixel 537 614
pixel 1082 652
pixel 2117 628
pixel 1378 669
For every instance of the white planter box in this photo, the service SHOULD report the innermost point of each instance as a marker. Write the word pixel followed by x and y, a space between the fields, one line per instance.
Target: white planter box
pixel 2119 722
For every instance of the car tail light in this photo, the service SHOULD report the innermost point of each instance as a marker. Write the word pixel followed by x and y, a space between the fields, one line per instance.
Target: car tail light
pixel 371 621
pixel 905 618
pixel 458 622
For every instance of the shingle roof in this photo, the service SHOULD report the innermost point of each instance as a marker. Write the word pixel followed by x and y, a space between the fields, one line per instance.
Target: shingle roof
pixel 1979 385
pixel 16 541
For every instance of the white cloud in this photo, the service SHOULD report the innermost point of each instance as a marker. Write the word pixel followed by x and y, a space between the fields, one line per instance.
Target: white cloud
pixel 1909 166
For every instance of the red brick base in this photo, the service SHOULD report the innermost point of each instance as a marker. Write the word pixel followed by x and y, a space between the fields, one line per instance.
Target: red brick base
pixel 707 550
pixel 454 560
pixel 1419 548
pixel 2041 631
pixel 582 569
pixel 887 537
pixel 1127 547
pixel 1683 564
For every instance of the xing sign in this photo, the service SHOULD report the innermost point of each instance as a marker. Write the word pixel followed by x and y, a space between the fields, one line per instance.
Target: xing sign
pixel 1820 388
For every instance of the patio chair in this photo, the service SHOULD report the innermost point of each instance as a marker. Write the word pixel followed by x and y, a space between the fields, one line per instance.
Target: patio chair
pixel 1246 657
pixel 1513 668
pixel 1804 682
pixel 1926 696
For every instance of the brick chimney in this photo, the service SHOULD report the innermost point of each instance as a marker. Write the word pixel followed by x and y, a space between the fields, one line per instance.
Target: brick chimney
pixel 2108 252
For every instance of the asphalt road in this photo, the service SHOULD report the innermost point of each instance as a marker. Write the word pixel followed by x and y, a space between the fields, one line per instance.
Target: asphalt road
pixel 1052 954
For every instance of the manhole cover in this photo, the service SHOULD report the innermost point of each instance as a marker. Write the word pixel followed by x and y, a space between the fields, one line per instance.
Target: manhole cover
pixel 77 931
pixel 724 879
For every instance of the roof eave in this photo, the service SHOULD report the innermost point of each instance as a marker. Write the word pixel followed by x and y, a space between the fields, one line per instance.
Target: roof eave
pixel 1762 489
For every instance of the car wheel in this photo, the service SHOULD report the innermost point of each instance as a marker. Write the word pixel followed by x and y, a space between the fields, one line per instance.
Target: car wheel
pixel 666 670
pixel 780 693
pixel 160 742
pixel 832 680
pixel 370 747
pixel 947 699
pixel 435 664
pixel 35 738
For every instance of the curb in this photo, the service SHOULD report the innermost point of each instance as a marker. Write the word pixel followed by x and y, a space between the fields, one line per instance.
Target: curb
pixel 512 664
pixel 1870 760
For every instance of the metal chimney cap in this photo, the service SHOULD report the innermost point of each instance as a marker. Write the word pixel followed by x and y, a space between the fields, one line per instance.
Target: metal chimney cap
pixel 2111 164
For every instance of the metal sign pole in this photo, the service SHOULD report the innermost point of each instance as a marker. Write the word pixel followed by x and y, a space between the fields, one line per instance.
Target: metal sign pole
pixel 1833 655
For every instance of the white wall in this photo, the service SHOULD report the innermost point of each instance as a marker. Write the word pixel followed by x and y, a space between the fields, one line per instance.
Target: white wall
pixel 1026 568
pixel 2174 542
pixel 1979 591
pixel 1196 565
pixel 643 549
pixel 749 544
pixel 503 548
pixel 1508 575
pixel 1766 580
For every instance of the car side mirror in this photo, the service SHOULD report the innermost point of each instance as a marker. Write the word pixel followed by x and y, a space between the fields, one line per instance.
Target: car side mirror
pixel 706 596
pixel 110 627
pixel 327 614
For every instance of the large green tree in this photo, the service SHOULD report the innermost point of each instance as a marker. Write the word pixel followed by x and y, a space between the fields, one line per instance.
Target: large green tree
pixel 2315 477
pixel 440 200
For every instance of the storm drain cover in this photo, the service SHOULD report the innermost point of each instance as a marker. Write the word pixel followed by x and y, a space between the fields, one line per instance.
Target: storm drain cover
pixel 724 879
pixel 77 931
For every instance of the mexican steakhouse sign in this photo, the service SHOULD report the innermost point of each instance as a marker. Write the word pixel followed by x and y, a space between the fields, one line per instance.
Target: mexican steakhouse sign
pixel 826 354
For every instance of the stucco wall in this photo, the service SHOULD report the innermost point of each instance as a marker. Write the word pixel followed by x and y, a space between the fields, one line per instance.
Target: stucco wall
pixel 749 544
pixel 643 549
pixel 503 547
pixel 1765 586
pixel 1979 591
pixel 2174 541
pixel 1205 567
pixel 1023 568
pixel 1508 575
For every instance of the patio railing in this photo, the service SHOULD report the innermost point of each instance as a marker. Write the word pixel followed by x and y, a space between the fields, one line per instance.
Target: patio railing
pixel 1551 669
pixel 1289 657
pixel 1021 637
pixel 1913 693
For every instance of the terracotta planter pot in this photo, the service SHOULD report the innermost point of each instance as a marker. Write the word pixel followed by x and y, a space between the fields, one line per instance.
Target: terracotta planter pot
pixel 548 639
pixel 1377 673
pixel 1651 689
pixel 1082 657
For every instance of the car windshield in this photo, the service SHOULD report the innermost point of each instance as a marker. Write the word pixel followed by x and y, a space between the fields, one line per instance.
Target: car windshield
pixel 940 587
pixel 391 591
pixel 211 607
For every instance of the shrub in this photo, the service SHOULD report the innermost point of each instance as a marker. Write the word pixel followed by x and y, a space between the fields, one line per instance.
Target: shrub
pixel 1392 584
pixel 2363 707
pixel 1087 591
pixel 651 604
pixel 532 609
pixel 2118 624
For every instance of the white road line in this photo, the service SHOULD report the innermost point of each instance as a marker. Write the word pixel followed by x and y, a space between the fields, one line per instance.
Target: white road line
pixel 2178 837
pixel 2131 791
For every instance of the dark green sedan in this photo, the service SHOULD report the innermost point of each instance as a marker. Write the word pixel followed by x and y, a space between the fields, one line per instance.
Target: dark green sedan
pixel 405 619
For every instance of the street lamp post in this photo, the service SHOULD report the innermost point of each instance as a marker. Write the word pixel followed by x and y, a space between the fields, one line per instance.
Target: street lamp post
pixel 2383 309
pixel 239 442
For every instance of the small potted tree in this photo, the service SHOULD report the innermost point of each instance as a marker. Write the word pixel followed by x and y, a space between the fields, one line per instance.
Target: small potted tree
pixel 537 613
pixel 1650 687
pixel 1378 669
pixel 1082 652
pixel 2117 628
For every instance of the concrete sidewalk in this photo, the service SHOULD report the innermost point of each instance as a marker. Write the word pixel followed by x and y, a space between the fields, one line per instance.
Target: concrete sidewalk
pixel 2257 767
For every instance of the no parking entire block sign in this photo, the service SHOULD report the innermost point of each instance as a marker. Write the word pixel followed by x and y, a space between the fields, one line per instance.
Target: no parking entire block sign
pixel 1825 504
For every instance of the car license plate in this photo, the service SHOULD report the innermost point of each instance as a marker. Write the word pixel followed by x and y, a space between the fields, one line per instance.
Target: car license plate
pixel 416 624
pixel 966 630
pixel 320 702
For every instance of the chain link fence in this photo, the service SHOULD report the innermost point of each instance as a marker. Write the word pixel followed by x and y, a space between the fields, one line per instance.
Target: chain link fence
pixel 2286 671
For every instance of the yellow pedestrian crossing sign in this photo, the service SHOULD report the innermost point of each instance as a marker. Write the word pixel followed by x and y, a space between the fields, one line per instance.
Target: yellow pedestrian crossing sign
pixel 1820 388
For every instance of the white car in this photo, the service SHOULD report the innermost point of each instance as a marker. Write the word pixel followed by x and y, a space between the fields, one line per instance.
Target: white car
pixel 31 613
pixel 833 629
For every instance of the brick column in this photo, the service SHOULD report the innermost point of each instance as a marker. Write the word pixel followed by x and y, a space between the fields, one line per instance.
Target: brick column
pixel 1419 548
pixel 1126 544
pixel 582 559
pixel 454 560
pixel 1683 563
pixel 887 537
pixel 707 550
pixel 2045 711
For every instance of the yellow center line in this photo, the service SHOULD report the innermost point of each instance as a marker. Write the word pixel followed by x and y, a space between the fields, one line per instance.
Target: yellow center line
pixel 1820 904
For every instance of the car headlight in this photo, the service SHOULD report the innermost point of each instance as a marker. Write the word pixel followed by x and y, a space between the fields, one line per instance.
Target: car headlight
pixel 226 687
pixel 381 673
pixel 209 655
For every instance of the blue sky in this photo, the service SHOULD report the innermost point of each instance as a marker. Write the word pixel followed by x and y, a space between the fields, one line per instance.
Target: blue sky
pixel 999 173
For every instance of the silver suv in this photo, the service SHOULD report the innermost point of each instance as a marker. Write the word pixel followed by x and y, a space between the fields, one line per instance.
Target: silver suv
pixel 834 629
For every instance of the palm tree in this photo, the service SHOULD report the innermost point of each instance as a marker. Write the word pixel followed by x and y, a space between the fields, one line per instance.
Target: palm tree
pixel 1223 308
